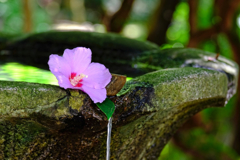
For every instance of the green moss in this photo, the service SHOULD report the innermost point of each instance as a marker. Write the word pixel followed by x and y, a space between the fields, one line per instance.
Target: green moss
pixel 130 85
pixel 76 99
pixel 62 108
pixel 154 106
pixel 107 41
pixel 36 119
pixel 183 57
pixel 175 86
pixel 16 136
pixel 174 74
pixel 18 99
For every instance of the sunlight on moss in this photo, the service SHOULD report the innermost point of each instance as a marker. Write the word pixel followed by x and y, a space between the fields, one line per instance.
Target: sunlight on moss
pixel 18 72
pixel 129 78
pixel 166 46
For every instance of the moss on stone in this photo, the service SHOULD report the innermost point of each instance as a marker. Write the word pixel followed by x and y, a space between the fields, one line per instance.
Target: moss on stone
pixel 106 41
pixel 145 137
pixel 76 99
pixel 151 107
pixel 43 121
pixel 19 99
pixel 16 136
pixel 179 85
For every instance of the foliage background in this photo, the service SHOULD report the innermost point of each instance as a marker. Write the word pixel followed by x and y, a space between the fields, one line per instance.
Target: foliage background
pixel 211 25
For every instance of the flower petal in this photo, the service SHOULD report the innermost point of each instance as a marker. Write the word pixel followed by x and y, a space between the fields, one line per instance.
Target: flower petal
pixel 58 65
pixel 97 95
pixel 78 58
pixel 97 76
pixel 64 82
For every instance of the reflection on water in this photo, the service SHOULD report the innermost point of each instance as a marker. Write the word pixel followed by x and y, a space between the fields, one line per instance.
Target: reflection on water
pixel 18 72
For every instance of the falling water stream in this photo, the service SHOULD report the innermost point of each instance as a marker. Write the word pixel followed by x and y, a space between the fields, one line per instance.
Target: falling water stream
pixel 109 130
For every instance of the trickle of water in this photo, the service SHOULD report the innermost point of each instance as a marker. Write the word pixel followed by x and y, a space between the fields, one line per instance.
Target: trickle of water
pixel 109 131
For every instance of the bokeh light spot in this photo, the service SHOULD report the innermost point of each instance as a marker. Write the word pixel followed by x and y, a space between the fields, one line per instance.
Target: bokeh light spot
pixel 134 30
pixel 3 1
pixel 238 21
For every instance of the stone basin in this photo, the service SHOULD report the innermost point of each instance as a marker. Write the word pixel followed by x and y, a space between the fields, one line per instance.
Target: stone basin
pixel 65 124
pixel 40 121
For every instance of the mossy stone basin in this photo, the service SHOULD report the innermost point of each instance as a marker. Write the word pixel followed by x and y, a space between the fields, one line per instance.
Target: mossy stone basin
pixel 41 121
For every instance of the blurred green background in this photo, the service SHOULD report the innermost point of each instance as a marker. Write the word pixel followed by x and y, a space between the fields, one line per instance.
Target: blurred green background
pixel 211 25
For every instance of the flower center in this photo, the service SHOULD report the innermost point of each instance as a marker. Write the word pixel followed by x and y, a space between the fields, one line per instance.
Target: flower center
pixel 76 79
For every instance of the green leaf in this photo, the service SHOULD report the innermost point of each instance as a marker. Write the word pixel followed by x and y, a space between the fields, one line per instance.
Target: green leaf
pixel 107 107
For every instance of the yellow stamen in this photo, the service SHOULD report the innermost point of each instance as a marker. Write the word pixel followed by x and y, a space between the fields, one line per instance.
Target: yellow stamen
pixel 76 79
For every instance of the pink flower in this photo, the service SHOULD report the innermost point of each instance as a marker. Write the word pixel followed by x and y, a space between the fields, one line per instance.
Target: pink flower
pixel 75 70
